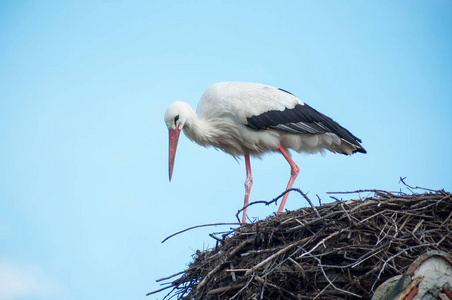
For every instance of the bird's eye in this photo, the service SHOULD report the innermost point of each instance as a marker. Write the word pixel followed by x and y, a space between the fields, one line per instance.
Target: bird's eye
pixel 175 120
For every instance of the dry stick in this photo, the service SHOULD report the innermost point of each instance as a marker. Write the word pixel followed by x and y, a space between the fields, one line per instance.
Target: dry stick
pixel 368 255
pixel 262 291
pixel 261 251
pixel 236 270
pixel 204 281
pixel 215 238
pixel 386 234
pixel 307 241
pixel 363 204
pixel 441 240
pixel 171 276
pixel 372 216
pixel 321 242
pixel 198 226
pixel 265 261
pixel 276 199
pixel 424 208
pixel 268 268
pixel 243 288
pixel 364 191
pixel 397 254
pixel 259 279
pixel 162 289
pixel 320 200
pixel 327 278
pixel 402 180
pixel 257 202
pixel 342 290
pixel 264 282
pixel 447 219
pixel 239 247
pixel 346 213
pixel 225 289
pixel 309 200
pixel 298 266
pixel 321 292
pixel 417 226
pixel 291 219
pixel 234 278
pixel 314 221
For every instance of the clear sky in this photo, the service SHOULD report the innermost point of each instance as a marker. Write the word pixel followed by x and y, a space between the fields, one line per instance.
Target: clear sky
pixel 84 196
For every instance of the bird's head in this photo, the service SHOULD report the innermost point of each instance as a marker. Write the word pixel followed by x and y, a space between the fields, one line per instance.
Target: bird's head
pixel 175 117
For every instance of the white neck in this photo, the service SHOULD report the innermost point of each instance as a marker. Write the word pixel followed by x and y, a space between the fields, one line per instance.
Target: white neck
pixel 197 130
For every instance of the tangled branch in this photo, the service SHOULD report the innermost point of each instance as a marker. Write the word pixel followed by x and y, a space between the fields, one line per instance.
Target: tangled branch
pixel 343 249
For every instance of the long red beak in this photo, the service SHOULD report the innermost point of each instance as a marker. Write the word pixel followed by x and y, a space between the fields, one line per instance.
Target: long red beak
pixel 173 139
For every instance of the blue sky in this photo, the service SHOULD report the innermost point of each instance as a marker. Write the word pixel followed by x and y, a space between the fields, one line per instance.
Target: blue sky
pixel 84 196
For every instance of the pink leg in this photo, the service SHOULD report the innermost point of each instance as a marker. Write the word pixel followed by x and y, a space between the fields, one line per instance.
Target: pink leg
pixel 248 184
pixel 294 172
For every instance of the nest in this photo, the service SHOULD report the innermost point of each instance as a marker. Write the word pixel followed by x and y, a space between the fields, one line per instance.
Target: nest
pixel 341 250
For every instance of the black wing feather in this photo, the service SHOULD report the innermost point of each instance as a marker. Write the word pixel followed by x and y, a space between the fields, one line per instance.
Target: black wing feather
pixel 302 119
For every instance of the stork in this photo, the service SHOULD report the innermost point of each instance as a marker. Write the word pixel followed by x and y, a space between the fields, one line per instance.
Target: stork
pixel 250 119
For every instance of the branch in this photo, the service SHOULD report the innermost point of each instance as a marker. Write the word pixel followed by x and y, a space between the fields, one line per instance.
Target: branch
pixel 198 226
pixel 402 180
pixel 276 199
pixel 162 289
pixel 171 276
pixel 328 279
pixel 268 259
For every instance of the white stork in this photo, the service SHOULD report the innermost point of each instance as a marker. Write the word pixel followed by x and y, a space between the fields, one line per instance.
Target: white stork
pixel 250 119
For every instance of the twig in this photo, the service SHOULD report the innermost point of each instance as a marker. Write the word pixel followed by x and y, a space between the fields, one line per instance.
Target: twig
pixel 328 279
pixel 320 200
pixel 243 288
pixel 171 276
pixel 365 191
pixel 265 261
pixel 213 271
pixel 239 247
pixel 346 213
pixel 275 200
pixel 309 200
pixel 320 243
pixel 225 289
pixel 198 226
pixel 262 250
pixel 266 282
pixel 402 180
pixel 236 270
pixel 394 256
pixel 215 238
pixel 298 266
pixel 321 292
pixel 234 278
pixel 258 202
pixel 162 289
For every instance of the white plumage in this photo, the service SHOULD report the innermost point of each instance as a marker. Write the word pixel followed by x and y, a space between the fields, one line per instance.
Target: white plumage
pixel 250 119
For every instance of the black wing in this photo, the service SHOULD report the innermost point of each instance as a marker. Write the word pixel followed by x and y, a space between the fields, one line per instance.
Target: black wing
pixel 302 119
